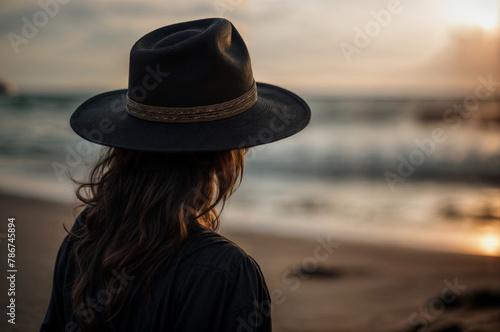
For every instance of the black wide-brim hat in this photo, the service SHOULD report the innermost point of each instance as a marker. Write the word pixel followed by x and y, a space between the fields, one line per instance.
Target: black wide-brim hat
pixel 191 88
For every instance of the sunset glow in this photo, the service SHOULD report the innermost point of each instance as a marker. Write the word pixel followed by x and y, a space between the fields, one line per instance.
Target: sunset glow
pixel 479 13
pixel 490 245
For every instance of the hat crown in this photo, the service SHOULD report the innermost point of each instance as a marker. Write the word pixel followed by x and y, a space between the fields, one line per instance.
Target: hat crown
pixel 191 88
pixel 190 64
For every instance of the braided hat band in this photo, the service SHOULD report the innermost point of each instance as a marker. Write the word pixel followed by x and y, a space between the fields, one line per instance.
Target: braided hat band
pixel 193 114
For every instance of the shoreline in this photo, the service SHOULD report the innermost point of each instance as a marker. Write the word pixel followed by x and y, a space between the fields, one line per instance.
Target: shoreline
pixel 428 241
pixel 323 285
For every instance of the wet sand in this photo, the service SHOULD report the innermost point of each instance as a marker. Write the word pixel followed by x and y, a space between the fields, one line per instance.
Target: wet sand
pixel 323 284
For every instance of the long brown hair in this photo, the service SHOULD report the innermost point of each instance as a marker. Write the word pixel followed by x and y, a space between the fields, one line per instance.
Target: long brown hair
pixel 140 207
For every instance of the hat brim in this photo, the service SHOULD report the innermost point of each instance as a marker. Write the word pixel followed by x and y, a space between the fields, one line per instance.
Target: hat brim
pixel 277 114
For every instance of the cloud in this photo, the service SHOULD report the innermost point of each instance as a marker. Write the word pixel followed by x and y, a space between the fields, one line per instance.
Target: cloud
pixel 469 51
pixel 290 42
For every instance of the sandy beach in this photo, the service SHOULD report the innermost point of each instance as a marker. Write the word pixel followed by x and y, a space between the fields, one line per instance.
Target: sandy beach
pixel 317 284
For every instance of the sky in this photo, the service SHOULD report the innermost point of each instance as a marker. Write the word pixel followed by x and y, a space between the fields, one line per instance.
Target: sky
pixel 323 47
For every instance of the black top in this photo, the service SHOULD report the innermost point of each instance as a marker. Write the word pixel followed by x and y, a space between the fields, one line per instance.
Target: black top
pixel 216 286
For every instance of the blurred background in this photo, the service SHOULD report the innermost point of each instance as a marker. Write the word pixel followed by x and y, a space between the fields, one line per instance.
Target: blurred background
pixel 372 94
pixel 403 148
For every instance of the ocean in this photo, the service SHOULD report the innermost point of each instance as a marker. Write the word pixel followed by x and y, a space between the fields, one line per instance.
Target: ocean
pixel 398 171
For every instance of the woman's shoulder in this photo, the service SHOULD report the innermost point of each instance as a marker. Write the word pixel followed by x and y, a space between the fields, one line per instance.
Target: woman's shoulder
pixel 218 283
pixel 211 250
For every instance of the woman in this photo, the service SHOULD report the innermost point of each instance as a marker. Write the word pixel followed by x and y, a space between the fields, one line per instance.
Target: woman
pixel 144 254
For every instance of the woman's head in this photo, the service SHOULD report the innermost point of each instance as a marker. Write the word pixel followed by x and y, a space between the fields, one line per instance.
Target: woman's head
pixel 141 206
